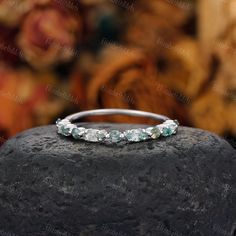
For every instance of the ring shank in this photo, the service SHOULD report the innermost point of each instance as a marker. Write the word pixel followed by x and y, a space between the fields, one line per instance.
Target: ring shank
pixel 127 112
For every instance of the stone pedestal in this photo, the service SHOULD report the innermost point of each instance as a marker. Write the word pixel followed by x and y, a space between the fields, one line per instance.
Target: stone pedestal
pixel 181 185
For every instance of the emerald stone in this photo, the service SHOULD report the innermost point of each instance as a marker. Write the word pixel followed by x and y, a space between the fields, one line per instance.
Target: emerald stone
pixel 136 135
pixel 65 129
pixel 167 131
pixel 173 125
pixel 78 132
pixel 115 136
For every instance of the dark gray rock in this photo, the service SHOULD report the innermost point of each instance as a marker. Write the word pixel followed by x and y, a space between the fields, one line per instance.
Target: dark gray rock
pixel 181 185
pixel 231 140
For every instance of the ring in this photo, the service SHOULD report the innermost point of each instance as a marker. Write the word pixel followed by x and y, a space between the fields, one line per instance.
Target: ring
pixel 66 127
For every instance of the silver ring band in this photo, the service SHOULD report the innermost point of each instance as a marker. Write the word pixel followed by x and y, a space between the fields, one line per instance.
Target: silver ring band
pixel 127 112
pixel 67 128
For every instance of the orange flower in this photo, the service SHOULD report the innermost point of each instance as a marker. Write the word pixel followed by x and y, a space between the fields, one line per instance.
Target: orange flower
pixel 26 100
pixel 13 115
pixel 126 78
pixel 16 9
pixel 48 36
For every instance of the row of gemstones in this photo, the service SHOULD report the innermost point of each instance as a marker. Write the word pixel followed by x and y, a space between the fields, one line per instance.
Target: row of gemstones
pixel 66 128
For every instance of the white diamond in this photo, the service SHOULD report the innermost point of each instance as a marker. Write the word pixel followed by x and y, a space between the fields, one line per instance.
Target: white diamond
pixel 102 135
pixel 91 135
pixel 60 123
pixel 81 130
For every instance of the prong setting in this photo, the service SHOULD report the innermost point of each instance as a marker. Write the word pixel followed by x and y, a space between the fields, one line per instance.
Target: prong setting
pixel 166 129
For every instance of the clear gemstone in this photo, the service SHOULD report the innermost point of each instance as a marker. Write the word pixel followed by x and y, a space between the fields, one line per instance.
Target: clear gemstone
pixel 91 135
pixel 102 134
pixel 176 122
pixel 60 122
pixel 115 136
pixel 136 135
pixel 78 132
pixel 153 132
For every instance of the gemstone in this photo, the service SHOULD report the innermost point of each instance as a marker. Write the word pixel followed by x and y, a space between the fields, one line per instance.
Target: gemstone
pixel 58 121
pixel 136 135
pixel 91 135
pixel 176 122
pixel 115 136
pixel 173 125
pixel 78 132
pixel 153 132
pixel 102 134
pixel 65 129
pixel 167 131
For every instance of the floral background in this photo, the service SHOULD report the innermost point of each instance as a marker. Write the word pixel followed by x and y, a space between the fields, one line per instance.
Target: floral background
pixel 174 57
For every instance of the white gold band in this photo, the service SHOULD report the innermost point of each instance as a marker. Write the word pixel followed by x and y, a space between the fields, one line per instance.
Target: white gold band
pixel 127 112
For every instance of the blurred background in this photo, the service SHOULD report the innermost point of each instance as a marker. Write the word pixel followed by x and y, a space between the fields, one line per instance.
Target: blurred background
pixel 174 57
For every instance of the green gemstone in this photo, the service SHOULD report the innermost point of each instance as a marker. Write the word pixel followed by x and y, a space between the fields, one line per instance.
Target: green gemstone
pixel 77 132
pixel 115 136
pixel 167 131
pixel 142 135
pixel 129 136
pixel 64 130
pixel 172 124
pixel 136 135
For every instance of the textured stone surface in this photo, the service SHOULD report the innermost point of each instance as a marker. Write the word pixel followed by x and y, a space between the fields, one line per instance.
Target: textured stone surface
pixel 180 185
